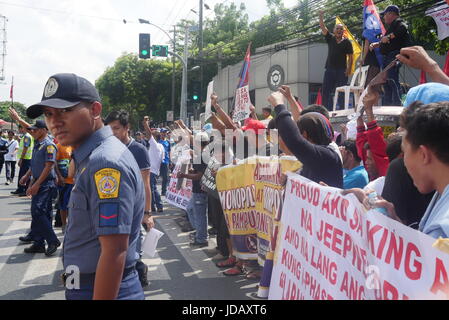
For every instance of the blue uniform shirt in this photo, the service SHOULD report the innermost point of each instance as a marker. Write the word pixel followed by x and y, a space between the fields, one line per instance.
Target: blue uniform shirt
pixel 44 151
pixel 107 198
pixel 167 149
pixel 140 153
pixel 355 178
pixel 435 221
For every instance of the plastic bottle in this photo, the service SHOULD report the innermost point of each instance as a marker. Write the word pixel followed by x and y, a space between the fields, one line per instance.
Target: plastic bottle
pixel 372 199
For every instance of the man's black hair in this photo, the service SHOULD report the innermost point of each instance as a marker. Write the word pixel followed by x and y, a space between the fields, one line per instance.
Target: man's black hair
pixel 121 116
pixel 267 109
pixel 351 146
pixel 428 125
pixel 316 108
pixel 394 146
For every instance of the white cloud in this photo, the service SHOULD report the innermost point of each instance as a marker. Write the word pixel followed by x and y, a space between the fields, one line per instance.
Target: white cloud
pixel 42 43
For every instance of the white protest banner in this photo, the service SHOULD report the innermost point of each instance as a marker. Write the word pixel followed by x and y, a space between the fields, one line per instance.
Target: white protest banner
pixel 179 194
pixel 242 104
pixel 210 91
pixel 330 248
pixel 441 16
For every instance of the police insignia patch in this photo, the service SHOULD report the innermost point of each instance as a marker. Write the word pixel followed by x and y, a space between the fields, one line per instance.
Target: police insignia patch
pixel 108 183
pixel 51 149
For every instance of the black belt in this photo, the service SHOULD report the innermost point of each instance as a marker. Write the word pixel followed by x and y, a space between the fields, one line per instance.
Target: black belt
pixel 89 278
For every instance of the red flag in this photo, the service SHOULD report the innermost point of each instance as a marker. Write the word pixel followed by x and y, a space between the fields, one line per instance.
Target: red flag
pixel 446 65
pixel 244 72
pixel 423 78
pixel 319 99
pixel 11 92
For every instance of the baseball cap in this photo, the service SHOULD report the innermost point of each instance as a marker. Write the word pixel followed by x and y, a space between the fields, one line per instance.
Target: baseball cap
pixel 39 124
pixel 427 93
pixel 253 124
pixel 391 8
pixel 64 90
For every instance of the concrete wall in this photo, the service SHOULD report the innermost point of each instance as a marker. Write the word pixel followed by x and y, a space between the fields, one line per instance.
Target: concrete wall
pixel 302 65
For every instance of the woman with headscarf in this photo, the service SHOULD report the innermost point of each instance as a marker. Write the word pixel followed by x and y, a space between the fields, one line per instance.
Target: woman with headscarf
pixel 309 140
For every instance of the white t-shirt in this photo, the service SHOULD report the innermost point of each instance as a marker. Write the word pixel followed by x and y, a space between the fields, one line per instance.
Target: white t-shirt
pixel 13 147
pixel 157 153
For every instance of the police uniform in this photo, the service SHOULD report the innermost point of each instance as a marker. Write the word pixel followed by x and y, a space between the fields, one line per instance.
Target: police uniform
pixel 26 142
pixel 41 204
pixel 107 198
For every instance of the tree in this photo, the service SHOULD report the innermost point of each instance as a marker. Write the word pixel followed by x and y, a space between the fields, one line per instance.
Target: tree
pixel 142 87
pixel 19 107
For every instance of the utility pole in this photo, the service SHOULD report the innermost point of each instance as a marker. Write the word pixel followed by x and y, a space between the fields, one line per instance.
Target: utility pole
pixel 201 48
pixel 183 111
pixel 173 75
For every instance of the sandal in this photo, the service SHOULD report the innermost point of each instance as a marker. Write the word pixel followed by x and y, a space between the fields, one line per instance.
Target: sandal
pixel 228 263
pixel 235 271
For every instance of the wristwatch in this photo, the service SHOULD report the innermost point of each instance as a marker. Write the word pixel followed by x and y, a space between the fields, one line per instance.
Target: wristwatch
pixel 148 213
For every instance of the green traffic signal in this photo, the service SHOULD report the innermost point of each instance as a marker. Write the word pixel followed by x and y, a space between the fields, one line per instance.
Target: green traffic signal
pixel 144 52
pixel 195 98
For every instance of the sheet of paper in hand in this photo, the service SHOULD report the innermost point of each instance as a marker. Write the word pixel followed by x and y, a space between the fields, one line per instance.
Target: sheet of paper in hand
pixel 242 104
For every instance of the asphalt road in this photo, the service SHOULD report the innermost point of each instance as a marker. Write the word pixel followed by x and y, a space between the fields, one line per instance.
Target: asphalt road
pixel 178 272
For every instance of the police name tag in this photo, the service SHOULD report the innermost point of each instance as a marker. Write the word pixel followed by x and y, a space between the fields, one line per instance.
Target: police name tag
pixel 108 183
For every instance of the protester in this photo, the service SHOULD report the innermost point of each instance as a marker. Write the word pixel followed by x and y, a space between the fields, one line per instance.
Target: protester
pixel 396 38
pixel 11 157
pixel 140 138
pixel 371 144
pixel 309 142
pixel 197 207
pixel 355 175
pixel 338 64
pixel 266 112
pixel 3 150
pixel 156 153
pixel 24 155
pixel 164 170
pixel 119 123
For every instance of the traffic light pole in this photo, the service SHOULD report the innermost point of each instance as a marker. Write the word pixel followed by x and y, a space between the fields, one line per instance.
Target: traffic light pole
pixel 183 110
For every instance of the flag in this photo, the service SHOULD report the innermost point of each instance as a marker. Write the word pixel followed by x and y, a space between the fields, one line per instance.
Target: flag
pixel 244 72
pixel 446 65
pixel 423 78
pixel 372 26
pixel 355 46
pixel 319 99
pixel 11 92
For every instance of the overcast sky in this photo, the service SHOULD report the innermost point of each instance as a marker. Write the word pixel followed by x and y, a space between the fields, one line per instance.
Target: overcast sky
pixel 84 36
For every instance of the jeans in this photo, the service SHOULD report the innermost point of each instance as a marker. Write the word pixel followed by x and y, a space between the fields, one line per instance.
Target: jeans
pixel 130 289
pixel 333 78
pixel 392 88
pixel 41 215
pixel 164 176
pixel 155 196
pixel 10 170
pixel 197 212
pixel 22 171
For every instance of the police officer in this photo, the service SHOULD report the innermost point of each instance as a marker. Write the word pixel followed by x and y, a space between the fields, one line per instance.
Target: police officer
pixel 42 189
pixel 107 201
pixel 26 146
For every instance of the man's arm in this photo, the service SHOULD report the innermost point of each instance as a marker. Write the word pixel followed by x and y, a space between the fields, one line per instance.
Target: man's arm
pixel 295 107
pixel 147 220
pixel 222 115
pixel 34 188
pixel 416 57
pixel 323 27
pixel 191 176
pixel 15 116
pixel 110 266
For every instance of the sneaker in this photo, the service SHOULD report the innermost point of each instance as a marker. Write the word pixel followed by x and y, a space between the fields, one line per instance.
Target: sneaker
pixel 34 249
pixel 15 192
pixel 212 231
pixel 7 182
pixel 51 249
pixel 192 235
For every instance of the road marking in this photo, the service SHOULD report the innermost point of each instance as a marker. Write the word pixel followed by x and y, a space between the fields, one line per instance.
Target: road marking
pixel 9 240
pixel 41 270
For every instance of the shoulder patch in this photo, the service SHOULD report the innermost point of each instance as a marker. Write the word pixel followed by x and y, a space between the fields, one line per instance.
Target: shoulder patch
pixel 109 214
pixel 108 183
pixel 50 149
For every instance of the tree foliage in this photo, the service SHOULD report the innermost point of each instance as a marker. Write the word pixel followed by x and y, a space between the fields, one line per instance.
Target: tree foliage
pixel 18 106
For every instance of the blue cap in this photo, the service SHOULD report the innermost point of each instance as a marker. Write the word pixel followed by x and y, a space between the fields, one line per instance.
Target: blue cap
pixel 39 124
pixel 391 8
pixel 427 93
pixel 64 90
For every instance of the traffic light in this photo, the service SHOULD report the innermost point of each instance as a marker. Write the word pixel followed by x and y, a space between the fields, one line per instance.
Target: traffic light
pixel 144 46
pixel 196 91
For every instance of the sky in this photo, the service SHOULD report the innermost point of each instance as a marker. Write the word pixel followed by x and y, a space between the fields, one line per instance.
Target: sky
pixel 46 37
